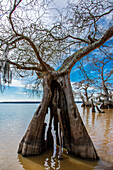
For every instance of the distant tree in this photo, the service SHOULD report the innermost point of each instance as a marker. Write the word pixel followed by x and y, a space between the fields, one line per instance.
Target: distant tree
pixel 102 76
pixel 39 40
pixel 104 80
pixel 84 90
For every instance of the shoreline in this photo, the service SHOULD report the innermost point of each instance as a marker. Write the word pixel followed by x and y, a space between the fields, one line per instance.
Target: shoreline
pixel 20 102
pixel 27 102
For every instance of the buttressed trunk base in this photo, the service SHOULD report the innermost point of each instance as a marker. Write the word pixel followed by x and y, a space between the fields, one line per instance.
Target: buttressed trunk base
pixel 70 130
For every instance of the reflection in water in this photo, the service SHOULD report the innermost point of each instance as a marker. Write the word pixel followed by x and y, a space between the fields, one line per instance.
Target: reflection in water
pixel 14 120
pixel 52 163
pixel 100 129
pixel 48 162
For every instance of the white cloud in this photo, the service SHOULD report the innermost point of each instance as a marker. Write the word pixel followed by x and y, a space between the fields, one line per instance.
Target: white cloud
pixel 105 70
pixel 91 88
pixel 22 83
pixel 63 3
pixel 92 72
pixel 20 93
pixel 17 83
pixel 60 4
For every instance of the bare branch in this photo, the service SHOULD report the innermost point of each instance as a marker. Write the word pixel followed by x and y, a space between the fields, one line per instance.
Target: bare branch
pixel 10 15
pixel 25 37
pixel 70 61
pixel 18 66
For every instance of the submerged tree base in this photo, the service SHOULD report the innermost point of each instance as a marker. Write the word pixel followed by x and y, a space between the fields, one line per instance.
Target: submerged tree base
pixel 107 105
pixel 86 104
pixel 65 120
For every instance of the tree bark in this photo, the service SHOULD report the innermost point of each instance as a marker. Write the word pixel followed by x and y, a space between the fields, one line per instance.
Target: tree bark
pixel 80 142
pixel 33 142
pixel 93 106
pixel 58 96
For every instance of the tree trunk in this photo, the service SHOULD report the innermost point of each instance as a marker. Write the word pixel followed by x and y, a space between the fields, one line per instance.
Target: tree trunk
pixel 106 93
pixel 59 98
pixel 86 94
pixel 93 106
pixel 33 142
pixel 107 103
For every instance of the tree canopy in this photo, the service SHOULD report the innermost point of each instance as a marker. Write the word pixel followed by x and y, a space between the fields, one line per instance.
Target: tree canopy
pixel 36 36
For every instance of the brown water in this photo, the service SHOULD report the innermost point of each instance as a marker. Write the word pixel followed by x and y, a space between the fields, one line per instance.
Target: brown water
pixel 13 122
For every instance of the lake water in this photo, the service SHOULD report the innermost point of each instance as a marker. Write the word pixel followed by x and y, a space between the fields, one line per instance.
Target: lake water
pixel 14 119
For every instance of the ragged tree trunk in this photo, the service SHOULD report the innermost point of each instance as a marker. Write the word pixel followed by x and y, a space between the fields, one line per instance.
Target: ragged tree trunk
pixel 33 142
pixel 64 114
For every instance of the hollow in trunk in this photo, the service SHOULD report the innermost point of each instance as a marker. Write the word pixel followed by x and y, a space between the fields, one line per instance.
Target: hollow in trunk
pixel 64 115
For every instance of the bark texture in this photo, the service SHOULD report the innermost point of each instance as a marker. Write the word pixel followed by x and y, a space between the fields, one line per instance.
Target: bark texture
pixel 68 126
pixel 33 142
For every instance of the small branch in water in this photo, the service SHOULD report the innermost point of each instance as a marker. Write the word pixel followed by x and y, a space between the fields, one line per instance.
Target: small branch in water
pixel 60 135
pixel 100 111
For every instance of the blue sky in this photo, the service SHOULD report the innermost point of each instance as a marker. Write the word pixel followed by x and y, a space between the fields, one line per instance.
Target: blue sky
pixel 17 92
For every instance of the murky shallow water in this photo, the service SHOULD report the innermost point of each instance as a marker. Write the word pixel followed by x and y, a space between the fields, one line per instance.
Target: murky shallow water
pixel 14 120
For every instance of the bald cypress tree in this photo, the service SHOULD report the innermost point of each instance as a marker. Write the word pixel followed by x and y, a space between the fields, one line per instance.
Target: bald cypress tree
pixel 33 41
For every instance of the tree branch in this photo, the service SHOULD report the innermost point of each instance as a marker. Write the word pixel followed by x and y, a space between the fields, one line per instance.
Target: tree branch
pixel 11 12
pixel 99 16
pixel 19 66
pixel 70 36
pixel 70 61
pixel 26 38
